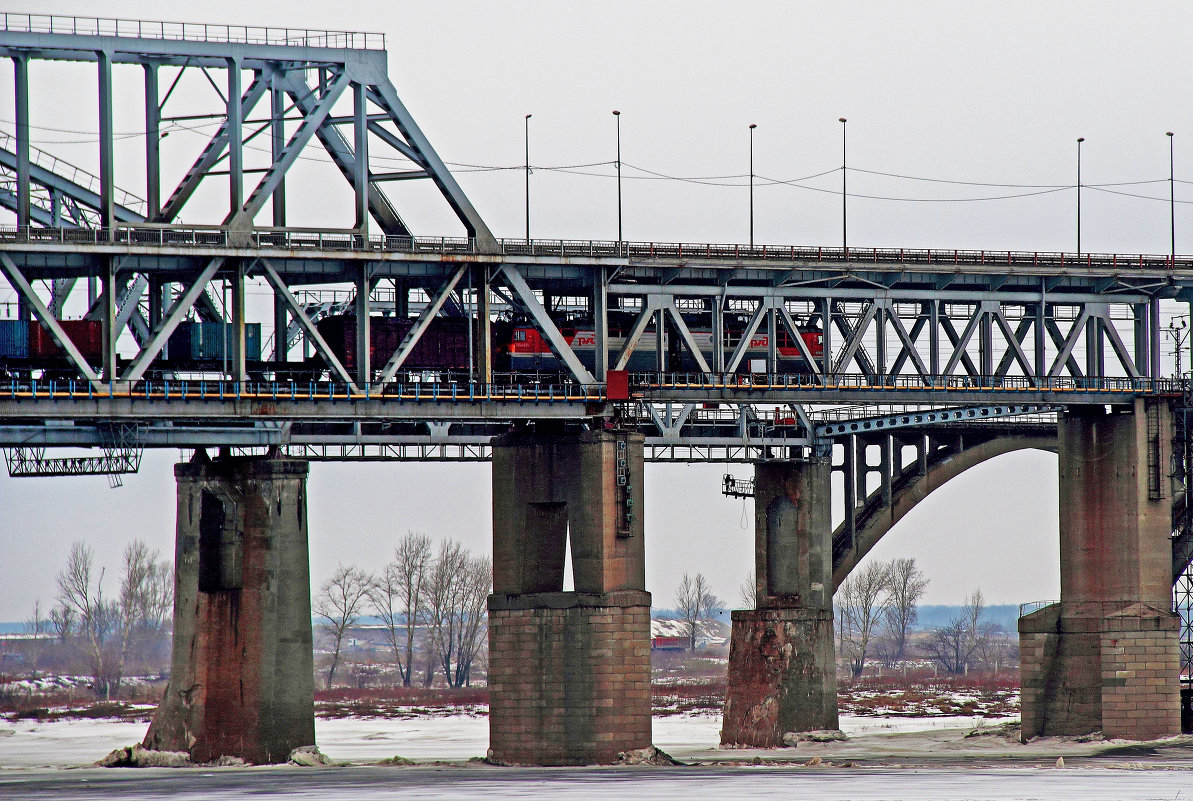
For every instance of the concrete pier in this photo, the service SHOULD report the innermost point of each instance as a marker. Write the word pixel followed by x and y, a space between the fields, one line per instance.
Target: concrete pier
pixel 1106 657
pixel 782 668
pixel 242 675
pixel 569 672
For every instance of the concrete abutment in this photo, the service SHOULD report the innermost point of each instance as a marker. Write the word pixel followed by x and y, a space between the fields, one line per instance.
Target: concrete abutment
pixel 242 672
pixel 569 672
pixel 782 666
pixel 1106 657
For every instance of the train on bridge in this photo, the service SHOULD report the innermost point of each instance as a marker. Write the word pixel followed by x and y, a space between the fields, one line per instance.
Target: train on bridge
pixel 28 350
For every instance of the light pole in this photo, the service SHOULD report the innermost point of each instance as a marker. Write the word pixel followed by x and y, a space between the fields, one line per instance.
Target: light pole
pixel 844 198
pixel 527 139
pixel 1080 139
pixel 752 127
pixel 617 116
pixel 1171 197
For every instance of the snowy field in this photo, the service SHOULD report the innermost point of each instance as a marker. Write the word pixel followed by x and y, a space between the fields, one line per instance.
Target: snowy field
pixel 887 759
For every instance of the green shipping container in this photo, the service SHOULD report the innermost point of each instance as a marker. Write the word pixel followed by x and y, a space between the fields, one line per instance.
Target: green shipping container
pixel 201 342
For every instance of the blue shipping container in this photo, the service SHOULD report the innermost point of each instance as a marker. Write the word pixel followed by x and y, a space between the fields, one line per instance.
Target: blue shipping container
pixel 14 339
pixel 202 342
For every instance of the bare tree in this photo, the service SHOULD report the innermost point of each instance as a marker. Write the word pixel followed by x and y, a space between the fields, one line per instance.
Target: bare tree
pixel 473 630
pixel 397 596
pixel 457 598
pixel 954 645
pixel 695 602
pixel 905 586
pixel 146 597
pixel 748 592
pixel 863 599
pixel 105 628
pixel 341 602
pixel 36 627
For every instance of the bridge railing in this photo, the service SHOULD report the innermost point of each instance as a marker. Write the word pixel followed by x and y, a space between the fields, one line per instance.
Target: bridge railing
pixel 761 382
pixel 442 386
pixel 190 31
pixel 205 389
pixel 340 240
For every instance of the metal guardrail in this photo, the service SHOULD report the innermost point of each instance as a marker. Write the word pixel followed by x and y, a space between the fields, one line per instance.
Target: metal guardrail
pixel 549 388
pixel 300 240
pixel 942 383
pixel 190 31
pixel 1088 609
pixel 404 392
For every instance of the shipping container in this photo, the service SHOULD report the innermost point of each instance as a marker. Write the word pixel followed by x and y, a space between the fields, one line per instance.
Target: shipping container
pixel 443 346
pixel 87 336
pixel 14 339
pixel 202 342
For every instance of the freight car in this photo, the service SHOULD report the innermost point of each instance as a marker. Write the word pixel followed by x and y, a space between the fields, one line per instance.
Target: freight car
pixel 26 345
pixel 442 347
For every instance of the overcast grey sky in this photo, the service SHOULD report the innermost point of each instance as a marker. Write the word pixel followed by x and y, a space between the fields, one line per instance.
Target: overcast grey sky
pixel 979 92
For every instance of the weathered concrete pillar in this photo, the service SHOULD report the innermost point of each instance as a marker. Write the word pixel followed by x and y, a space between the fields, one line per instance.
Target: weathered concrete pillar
pixel 569 672
pixel 1106 658
pixel 782 669
pixel 242 674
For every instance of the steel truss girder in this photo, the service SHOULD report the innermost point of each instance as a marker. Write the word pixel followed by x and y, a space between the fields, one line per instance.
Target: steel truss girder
pixel 273 67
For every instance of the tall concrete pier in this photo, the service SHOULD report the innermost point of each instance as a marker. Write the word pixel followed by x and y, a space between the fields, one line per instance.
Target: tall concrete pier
pixel 782 671
pixel 242 676
pixel 569 672
pixel 1106 658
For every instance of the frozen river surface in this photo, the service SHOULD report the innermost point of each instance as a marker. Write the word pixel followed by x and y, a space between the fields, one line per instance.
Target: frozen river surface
pixel 883 760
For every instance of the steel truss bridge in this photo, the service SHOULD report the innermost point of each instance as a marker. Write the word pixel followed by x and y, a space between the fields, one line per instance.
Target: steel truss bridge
pixel 928 355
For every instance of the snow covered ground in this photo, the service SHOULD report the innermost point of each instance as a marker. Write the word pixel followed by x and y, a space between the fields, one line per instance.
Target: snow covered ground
pixel 884 758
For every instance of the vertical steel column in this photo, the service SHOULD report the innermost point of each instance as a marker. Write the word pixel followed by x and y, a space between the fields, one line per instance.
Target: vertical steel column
pixel 153 124
pixel 826 338
pixel 484 326
pixel 364 341
pixel 1153 334
pixel 277 143
pixel 861 470
pixel 20 67
pixel 885 464
pixel 360 177
pixel 108 320
pixel 235 140
pixel 156 307
pixel 107 163
pixel 772 340
pixel 1095 362
pixel 660 350
pixel 239 366
pixel 718 334
pixel 1139 321
pixel 600 323
pixel 401 299
pixel 986 341
pixel 880 312
pixel 849 472
pixel 934 338
pixel 1039 340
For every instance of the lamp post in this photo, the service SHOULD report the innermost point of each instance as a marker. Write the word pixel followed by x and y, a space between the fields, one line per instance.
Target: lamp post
pixel 1171 197
pixel 617 116
pixel 844 198
pixel 752 127
pixel 1080 139
pixel 527 139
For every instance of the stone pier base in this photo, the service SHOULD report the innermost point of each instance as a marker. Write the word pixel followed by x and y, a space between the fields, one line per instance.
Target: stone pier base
pixel 782 676
pixel 1083 671
pixel 242 673
pixel 569 679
